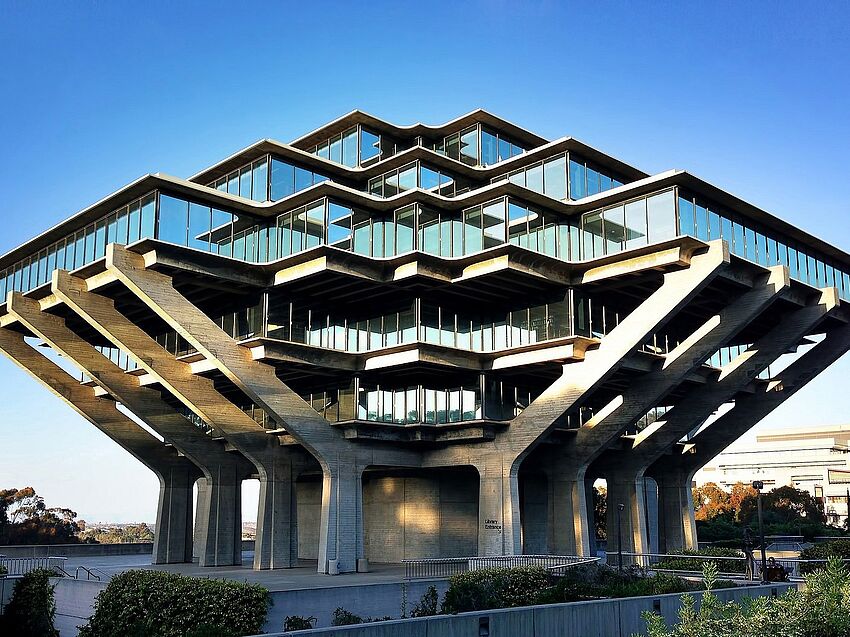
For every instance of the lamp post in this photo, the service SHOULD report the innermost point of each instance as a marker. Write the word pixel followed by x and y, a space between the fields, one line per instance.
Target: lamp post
pixel 620 508
pixel 758 485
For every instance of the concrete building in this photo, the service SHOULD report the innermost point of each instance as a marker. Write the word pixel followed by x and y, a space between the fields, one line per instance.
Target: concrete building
pixel 423 341
pixel 814 459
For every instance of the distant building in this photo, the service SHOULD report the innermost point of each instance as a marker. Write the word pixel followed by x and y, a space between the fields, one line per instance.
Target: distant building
pixel 815 460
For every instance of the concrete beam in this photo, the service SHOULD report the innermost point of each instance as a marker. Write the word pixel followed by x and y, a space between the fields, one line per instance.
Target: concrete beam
pixel 176 474
pixel 499 511
pixel 223 470
pixel 625 470
pixel 277 467
pixel 338 550
pixel 568 465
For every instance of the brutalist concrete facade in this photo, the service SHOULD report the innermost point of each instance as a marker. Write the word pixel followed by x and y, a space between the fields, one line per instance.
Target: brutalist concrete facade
pixel 423 341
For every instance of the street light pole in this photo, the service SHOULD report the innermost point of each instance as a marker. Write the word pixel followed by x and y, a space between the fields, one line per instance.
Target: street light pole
pixel 758 485
pixel 620 508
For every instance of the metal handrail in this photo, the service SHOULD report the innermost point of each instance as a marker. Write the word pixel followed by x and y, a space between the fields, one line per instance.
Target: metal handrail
pixel 448 566
pixel 24 565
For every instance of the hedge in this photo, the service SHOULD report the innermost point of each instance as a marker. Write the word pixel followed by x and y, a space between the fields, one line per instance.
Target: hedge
pixel 31 610
pixel 688 560
pixel 494 588
pixel 159 604
pixel 823 551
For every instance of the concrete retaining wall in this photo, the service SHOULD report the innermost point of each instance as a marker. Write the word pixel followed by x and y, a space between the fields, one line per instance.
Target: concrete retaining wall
pixel 74 603
pixel 603 618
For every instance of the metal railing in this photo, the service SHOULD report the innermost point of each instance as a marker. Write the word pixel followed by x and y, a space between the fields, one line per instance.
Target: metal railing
pixel 735 567
pixel 446 567
pixel 24 565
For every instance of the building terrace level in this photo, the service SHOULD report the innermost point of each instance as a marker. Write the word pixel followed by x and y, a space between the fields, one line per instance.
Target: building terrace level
pixel 423 341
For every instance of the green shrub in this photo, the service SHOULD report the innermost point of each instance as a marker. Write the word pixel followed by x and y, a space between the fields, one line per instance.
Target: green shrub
pixel 3 570
pixel 342 617
pixel 32 608
pixel 296 622
pixel 167 605
pixel 428 605
pixel 823 551
pixel 823 610
pixel 494 588
pixel 688 560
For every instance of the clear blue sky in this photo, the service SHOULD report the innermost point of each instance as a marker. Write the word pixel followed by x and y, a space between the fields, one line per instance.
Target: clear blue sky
pixel 753 97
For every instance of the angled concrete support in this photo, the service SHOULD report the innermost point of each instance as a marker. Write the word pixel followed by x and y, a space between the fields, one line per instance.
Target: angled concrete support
pixel 176 474
pixel 261 384
pixel 577 382
pixel 674 472
pixel 223 470
pixel 625 471
pixel 568 466
pixel 275 466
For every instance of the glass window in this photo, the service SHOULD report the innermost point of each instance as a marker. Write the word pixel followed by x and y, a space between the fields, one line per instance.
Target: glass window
pixel 199 226
pixel 534 178
pixel 635 228
pixel 489 148
pixel 615 235
pixel 173 220
pixel 750 244
pixel 713 225
pixel 472 234
pixel 339 226
pixel 577 180
pixel 370 145
pixel 661 217
pixel 738 247
pixel 303 179
pixel 592 231
pixel 494 223
pixel 555 178
pixel 592 181
pixel 407 178
pixel 336 149
pixel 133 222
pixel 283 179
pixel 148 222
pixel 349 147
pixel 701 218
pixel 686 217
pixel 469 146
pixel 259 188
pixel 405 229
pixel 90 242
pixel 428 179
pixel 245 182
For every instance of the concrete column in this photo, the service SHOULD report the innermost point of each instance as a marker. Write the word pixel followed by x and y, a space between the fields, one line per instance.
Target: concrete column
pixel 628 489
pixel 499 531
pixel 677 528
pixel 202 511
pixel 218 526
pixel 276 545
pixel 173 538
pixel 341 530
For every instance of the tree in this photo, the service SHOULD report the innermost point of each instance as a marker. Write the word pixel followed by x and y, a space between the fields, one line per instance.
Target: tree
pixel 600 512
pixel 26 519
pixel 711 501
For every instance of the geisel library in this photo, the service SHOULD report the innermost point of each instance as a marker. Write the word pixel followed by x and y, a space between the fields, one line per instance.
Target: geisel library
pixel 424 341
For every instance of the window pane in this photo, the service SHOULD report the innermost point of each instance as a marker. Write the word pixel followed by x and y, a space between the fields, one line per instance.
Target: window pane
pixel 489 148
pixel 148 216
pixel 336 150
pixel 686 217
pixel 245 182
pixel 259 188
pixel 592 230
pixel 636 231
pixel 534 178
pixel 303 179
pixel 555 178
pixel 369 145
pixel 469 147
pixel 173 220
pixel 661 213
pixel 472 230
pixel 283 179
pixel 349 147
pixel 133 222
pixel 405 226
pixel 407 178
pixel 614 229
pixel 494 223
pixel 199 226
pixel 428 179
pixel 577 180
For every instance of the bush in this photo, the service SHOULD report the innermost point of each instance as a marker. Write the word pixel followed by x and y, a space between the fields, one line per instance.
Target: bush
pixel 296 622
pixel 689 560
pixel 428 605
pixel 823 610
pixel 823 551
pixel 494 588
pixel 342 617
pixel 3 570
pixel 32 608
pixel 167 605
